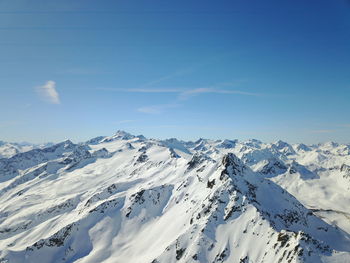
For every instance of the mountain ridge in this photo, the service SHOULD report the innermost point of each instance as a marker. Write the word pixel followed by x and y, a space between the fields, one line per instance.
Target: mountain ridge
pixel 114 199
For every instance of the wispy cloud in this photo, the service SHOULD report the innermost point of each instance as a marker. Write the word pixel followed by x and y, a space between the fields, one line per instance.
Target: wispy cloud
pixel 184 93
pixel 156 109
pixel 181 95
pixel 185 71
pixel 170 76
pixel 48 92
pixel 198 91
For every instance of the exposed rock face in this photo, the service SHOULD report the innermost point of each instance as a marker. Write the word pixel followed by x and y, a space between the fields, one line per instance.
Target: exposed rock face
pixel 274 166
pixel 345 169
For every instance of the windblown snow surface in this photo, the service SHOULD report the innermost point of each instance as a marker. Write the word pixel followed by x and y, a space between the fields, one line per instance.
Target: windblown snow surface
pixel 125 198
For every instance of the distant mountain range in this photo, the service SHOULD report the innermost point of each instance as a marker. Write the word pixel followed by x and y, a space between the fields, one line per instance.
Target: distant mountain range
pixel 126 198
pixel 9 149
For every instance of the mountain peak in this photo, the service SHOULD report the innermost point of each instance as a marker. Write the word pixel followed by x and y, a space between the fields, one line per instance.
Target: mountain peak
pixel 119 135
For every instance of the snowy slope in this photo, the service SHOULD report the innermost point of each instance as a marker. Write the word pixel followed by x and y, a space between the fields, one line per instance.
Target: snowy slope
pixel 125 198
pixel 9 149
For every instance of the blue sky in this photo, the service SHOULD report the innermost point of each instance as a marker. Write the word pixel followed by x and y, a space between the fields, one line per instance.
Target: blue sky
pixel 215 69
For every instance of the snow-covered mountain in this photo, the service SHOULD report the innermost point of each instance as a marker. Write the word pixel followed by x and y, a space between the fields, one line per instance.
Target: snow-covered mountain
pixel 9 149
pixel 126 198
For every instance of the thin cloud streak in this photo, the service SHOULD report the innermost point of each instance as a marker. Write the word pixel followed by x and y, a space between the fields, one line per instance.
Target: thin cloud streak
pixel 185 71
pixel 193 92
pixel 184 93
pixel 170 76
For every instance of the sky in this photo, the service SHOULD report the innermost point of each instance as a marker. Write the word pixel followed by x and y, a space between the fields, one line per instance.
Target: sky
pixel 187 69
